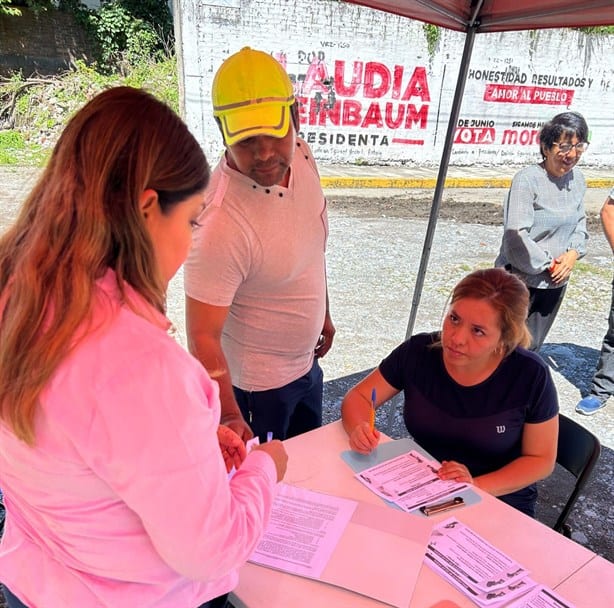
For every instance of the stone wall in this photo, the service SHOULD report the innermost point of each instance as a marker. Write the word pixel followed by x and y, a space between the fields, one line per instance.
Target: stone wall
pixel 40 44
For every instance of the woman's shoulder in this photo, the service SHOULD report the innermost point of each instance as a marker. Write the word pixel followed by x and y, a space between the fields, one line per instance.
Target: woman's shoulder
pixel 125 328
pixel 526 362
pixel 413 359
pixel 578 177
pixel 424 340
pixel 419 345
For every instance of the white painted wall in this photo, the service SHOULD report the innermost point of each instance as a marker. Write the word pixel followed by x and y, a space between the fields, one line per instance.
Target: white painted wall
pixel 372 93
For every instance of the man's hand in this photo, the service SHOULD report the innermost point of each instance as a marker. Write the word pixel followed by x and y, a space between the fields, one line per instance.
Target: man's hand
pixel 326 337
pixel 232 447
pixel 237 423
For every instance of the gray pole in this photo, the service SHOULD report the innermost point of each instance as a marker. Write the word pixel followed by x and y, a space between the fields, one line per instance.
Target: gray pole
pixel 441 176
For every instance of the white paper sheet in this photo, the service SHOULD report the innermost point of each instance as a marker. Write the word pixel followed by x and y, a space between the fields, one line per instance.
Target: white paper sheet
pixel 473 565
pixel 360 561
pixel 304 529
pixel 409 481
pixel 541 597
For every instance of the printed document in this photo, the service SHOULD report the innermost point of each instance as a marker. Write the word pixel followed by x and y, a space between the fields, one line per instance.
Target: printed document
pixel 409 481
pixel 541 597
pixel 304 529
pixel 486 575
pixel 310 536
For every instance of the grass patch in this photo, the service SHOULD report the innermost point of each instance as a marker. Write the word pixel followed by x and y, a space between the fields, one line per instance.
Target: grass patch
pixel 12 146
pixel 584 269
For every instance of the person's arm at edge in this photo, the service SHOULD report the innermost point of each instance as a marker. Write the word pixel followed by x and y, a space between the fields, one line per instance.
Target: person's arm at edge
pixel 356 411
pixel 607 218
pixel 539 448
pixel 204 324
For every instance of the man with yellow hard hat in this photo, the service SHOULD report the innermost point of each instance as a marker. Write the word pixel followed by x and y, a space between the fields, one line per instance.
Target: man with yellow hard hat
pixel 255 280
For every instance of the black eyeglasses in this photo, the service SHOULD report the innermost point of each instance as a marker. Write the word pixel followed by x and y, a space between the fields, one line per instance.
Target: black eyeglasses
pixel 565 148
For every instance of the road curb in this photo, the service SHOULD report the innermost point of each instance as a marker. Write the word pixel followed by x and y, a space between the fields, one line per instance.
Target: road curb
pixel 430 183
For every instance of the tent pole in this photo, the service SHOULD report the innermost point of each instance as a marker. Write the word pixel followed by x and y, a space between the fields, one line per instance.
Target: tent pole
pixel 441 176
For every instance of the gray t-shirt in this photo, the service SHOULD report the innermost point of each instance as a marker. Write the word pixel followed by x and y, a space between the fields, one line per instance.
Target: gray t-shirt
pixel 261 251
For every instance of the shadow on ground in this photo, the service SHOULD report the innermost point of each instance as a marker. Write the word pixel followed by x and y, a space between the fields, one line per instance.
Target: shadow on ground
pixel 575 363
pixel 591 520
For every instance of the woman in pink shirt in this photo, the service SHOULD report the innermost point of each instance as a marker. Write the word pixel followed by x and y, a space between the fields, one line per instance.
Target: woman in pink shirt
pixel 112 461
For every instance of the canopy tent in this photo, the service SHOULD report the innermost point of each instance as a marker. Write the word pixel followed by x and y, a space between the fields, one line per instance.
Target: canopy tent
pixel 483 16
pixel 500 15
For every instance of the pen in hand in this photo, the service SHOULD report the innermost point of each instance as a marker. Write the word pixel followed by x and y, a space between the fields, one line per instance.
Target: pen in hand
pixel 372 417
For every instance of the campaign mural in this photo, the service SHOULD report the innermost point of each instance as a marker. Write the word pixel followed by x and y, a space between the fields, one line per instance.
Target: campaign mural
pixel 383 103
pixel 372 91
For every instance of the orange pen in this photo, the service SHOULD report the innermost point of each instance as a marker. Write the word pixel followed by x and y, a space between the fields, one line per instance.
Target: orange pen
pixel 373 398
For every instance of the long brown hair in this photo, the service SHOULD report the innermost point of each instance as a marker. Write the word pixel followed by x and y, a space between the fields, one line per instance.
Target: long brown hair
pixel 81 218
pixel 507 294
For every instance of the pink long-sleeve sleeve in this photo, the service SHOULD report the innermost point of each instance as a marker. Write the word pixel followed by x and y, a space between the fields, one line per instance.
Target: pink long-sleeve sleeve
pixel 124 499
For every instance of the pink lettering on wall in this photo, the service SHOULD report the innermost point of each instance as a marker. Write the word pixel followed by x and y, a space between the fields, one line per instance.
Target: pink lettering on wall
pixel 364 95
pixel 316 79
pixel 503 93
pixel 355 113
pixel 378 81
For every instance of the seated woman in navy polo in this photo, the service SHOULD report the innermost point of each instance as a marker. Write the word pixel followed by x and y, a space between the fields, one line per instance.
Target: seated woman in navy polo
pixel 475 398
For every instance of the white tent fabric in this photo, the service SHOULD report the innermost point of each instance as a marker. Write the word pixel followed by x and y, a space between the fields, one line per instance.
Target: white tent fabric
pixel 483 16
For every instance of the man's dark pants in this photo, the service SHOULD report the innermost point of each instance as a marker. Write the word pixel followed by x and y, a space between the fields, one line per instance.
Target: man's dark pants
pixel 286 411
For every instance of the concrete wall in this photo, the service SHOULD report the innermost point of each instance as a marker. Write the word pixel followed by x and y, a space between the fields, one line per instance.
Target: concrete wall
pixel 372 91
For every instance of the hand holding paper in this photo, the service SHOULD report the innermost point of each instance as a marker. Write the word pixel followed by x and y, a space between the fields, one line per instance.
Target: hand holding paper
pixel 409 481
pixel 454 471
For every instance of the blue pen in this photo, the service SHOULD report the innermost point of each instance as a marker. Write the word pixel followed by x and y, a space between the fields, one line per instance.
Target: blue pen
pixel 269 436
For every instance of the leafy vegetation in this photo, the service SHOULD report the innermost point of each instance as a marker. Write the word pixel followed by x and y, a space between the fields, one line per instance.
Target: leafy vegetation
pixel 121 31
pixel 34 111
pixel 127 31
pixel 607 30
pixel 6 8
pixel 432 34
pixel 11 145
pixel 135 47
